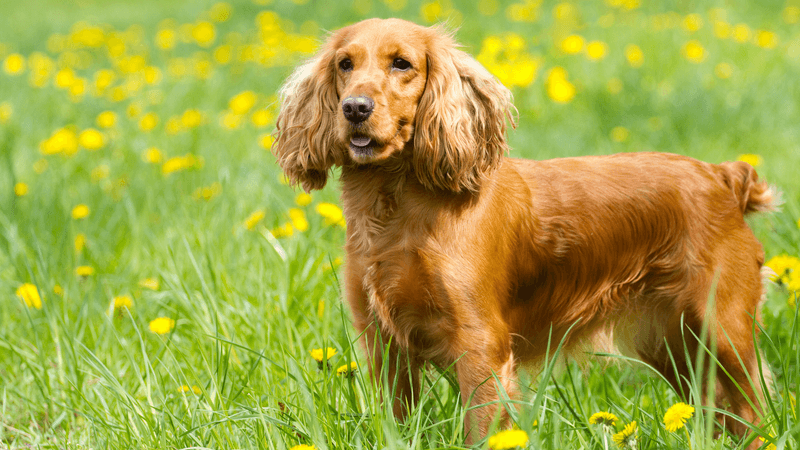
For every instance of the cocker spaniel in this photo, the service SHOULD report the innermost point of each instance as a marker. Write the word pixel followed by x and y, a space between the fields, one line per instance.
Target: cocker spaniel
pixel 461 256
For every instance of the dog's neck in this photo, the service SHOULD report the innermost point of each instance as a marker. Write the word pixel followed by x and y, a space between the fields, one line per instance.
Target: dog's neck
pixel 370 196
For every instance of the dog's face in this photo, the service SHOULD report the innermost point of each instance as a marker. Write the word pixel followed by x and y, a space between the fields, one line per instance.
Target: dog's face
pixel 381 87
pixel 381 70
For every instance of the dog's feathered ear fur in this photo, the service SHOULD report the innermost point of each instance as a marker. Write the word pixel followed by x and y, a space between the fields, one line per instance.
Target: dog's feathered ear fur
pixel 305 129
pixel 460 126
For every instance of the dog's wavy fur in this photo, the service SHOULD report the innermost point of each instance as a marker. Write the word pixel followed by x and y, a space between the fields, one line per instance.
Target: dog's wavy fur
pixel 463 256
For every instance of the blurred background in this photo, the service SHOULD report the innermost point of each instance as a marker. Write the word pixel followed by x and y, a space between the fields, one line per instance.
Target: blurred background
pixel 143 218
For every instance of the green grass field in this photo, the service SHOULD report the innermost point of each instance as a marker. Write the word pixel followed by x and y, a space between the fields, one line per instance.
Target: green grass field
pixel 162 287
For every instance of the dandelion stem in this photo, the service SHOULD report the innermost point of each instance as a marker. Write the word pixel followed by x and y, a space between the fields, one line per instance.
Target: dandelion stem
pixel 688 438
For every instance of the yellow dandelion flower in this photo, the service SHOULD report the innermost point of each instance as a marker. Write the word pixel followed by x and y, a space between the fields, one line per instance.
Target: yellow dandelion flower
pixel 28 293
pixel 254 219
pixel 14 64
pixel 91 139
pixel 333 264
pixel 333 214
pixel 220 12
pixel 676 416
pixel 152 75
pixel 242 102
pixel 80 242
pixel 559 89
pixel 508 439
pixel 161 325
pixel 321 355
pixel 123 301
pixel 84 271
pixel 604 418
pixel 722 29
pixel 103 79
pixel 148 121
pixel 741 33
pixel 80 211
pixel 134 109
pixel 261 118
pixel 767 39
pixel 178 163
pixel 620 134
pixel 184 388
pixel 627 436
pixel 347 369
pixel 692 22
pixel 152 155
pixel 106 119
pixel 298 218
pixel 63 141
pixel 20 189
pixel 230 121
pixel 166 39
pixel 752 159
pixel 303 199
pixel 173 126
pixel 783 266
pixel 208 192
pixel 285 230
pixel 191 118
pixel 58 290
pixel 266 141
pixel 565 11
pixel 223 54
pixel 793 283
pixel 64 78
pixel 150 283
pixel 765 441
pixel 431 11
pixel 204 33
pixel 694 51
pixel 634 55
pixel 572 44
pixel 6 110
pixel 596 50
pixel 303 447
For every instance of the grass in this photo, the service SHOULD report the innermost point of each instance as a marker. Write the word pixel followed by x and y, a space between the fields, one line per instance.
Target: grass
pixel 236 371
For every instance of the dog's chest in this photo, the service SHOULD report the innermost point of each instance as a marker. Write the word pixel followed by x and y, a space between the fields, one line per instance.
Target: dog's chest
pixel 403 297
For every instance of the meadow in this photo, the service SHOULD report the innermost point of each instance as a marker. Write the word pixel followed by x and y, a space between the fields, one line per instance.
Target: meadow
pixel 161 286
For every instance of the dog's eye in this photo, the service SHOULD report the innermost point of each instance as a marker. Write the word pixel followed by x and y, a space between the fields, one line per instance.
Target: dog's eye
pixel 401 64
pixel 346 65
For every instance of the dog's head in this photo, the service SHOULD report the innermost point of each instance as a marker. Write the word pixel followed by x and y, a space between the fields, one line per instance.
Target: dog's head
pixel 381 89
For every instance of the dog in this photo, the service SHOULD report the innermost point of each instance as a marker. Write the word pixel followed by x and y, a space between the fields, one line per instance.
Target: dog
pixel 459 255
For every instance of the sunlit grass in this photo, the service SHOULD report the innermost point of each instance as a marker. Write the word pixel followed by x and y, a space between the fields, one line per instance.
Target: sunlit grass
pixel 162 287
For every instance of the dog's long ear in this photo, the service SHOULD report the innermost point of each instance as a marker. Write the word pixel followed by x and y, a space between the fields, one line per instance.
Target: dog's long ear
pixel 305 132
pixel 460 129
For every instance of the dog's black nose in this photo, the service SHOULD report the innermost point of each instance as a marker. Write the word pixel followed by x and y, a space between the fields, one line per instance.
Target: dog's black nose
pixel 357 109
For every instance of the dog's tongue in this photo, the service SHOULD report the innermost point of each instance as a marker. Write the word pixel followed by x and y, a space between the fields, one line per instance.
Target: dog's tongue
pixel 360 141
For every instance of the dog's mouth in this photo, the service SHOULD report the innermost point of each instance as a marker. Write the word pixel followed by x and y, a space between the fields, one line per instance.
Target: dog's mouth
pixel 363 147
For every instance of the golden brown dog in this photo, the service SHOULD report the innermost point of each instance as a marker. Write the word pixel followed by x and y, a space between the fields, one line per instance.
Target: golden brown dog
pixel 463 256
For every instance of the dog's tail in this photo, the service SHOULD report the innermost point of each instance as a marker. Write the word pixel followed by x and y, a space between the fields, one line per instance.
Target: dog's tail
pixel 751 194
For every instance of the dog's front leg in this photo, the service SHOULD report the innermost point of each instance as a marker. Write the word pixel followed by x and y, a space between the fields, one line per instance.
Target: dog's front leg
pixel 394 369
pixel 479 371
